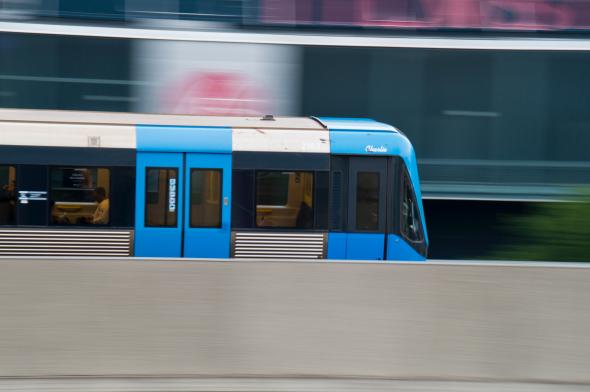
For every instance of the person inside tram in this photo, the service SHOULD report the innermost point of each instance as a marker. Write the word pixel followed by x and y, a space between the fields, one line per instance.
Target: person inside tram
pixel 305 215
pixel 8 190
pixel 8 203
pixel 101 214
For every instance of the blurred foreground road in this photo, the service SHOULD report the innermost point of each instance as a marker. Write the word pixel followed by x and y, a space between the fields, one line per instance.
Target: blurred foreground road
pixel 275 385
pixel 153 325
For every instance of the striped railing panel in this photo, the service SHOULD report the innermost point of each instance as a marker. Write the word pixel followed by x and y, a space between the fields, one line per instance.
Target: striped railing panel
pixel 63 242
pixel 279 245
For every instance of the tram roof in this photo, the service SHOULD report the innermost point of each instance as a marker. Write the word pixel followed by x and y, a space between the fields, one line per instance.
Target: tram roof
pixel 115 118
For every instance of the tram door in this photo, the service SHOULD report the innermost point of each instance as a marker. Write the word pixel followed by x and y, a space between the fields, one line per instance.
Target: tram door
pixel 359 208
pixel 366 215
pixel 183 205
pixel 207 226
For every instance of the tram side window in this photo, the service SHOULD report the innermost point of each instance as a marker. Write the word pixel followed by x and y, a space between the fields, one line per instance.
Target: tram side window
pixel 410 215
pixel 7 195
pixel 367 201
pixel 79 195
pixel 285 199
pixel 205 198
pixel 161 197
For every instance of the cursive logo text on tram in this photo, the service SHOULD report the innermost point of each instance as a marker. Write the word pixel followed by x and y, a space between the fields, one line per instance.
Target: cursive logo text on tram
pixel 372 148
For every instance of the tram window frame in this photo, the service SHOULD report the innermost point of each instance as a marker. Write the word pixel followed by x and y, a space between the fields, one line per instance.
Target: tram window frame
pixel 15 193
pixel 312 224
pixel 167 192
pixel 338 197
pixel 220 198
pixel 243 203
pixel 51 195
pixel 406 185
pixel 337 200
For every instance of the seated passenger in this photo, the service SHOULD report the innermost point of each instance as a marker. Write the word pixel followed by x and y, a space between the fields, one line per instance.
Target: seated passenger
pixel 101 214
pixel 304 217
pixel 7 204
pixel 7 193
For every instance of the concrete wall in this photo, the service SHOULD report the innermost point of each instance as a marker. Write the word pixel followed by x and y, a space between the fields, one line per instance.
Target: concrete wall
pixel 147 318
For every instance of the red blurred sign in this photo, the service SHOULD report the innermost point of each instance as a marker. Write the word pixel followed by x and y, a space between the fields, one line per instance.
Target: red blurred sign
pixel 478 14
pixel 216 94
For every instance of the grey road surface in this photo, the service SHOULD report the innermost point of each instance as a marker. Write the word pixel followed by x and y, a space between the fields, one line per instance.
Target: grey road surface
pixel 272 385
pixel 518 325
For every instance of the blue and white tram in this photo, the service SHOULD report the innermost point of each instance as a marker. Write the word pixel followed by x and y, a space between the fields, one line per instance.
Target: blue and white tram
pixel 114 184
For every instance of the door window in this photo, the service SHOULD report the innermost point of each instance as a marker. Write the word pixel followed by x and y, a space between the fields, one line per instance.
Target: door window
pixel 205 198
pixel 161 197
pixel 7 195
pixel 367 201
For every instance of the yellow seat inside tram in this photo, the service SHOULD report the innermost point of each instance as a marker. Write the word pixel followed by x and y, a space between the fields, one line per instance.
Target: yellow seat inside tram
pixel 73 213
pixel 72 193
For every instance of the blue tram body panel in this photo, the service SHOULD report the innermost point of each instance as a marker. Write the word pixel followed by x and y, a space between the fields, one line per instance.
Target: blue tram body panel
pixel 366 137
pixel 209 241
pixel 163 138
pixel 156 241
pixel 355 246
pixel 337 246
pixel 183 148
pixel 365 246
pixel 369 137
pixel 400 250
pixel 186 148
